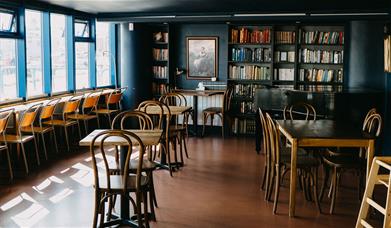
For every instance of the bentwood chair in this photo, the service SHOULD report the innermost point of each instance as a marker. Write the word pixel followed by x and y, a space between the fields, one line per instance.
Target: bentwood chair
pixel 70 107
pixel 299 111
pixel 342 159
pixel 4 118
pixel 178 130
pixel 26 121
pixel 46 113
pixel 138 120
pixel 307 166
pixel 112 104
pixel 87 110
pixel 221 112
pixel 108 185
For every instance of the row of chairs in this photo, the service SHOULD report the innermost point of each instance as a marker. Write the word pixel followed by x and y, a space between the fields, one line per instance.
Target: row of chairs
pixel 277 159
pixel 27 128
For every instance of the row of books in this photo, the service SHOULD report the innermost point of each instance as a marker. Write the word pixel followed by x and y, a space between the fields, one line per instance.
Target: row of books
pixel 160 71
pixel 160 88
pixel 284 37
pixel 245 35
pixel 284 56
pixel 320 56
pixel 160 37
pixel 160 54
pixel 284 74
pixel 246 90
pixel 387 54
pixel 321 88
pixel 320 75
pixel 249 72
pixel 247 107
pixel 243 126
pixel 251 55
pixel 320 37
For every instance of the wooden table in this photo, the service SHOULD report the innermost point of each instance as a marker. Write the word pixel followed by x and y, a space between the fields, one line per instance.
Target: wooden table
pixel 196 94
pixel 321 133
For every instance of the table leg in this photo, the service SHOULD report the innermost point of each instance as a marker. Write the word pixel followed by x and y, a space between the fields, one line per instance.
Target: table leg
pixel 292 190
pixel 195 115
pixel 370 155
pixel 124 201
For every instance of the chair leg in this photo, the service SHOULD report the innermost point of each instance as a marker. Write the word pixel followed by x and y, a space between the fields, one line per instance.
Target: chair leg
pixel 66 138
pixel 36 150
pixel 334 192
pixel 184 145
pixel 267 181
pixel 271 183
pixel 96 209
pixel 44 146
pixel 86 126
pixel 97 120
pixel 145 200
pixel 277 189
pixel 264 178
pixel 9 163
pixel 24 158
pixel 55 140
pixel 325 180
pixel 138 209
pixel 315 189
pixel 204 119
pixel 180 142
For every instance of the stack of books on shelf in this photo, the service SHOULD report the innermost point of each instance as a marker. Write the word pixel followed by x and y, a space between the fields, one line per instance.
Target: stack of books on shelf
pixel 320 75
pixel 244 35
pixel 284 56
pixel 243 126
pixel 320 56
pixel 251 55
pixel 249 72
pixel 246 90
pixel 160 37
pixel 247 107
pixel 159 88
pixel 284 37
pixel 319 37
pixel 284 74
pixel 160 71
pixel 321 88
pixel 160 54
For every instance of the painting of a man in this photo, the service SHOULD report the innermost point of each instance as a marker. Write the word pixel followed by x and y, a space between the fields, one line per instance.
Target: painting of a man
pixel 202 57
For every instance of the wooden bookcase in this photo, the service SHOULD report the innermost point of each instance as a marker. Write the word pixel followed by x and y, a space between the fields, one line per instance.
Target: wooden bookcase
pixel 160 59
pixel 302 57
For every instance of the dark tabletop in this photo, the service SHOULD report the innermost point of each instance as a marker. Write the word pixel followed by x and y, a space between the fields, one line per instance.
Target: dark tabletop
pixel 330 129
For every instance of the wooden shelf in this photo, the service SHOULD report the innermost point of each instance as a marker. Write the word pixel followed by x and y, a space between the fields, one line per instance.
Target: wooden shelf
pixel 250 63
pixel 249 81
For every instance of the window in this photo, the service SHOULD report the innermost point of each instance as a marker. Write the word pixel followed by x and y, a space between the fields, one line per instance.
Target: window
pixel 82 64
pixel 8 21
pixel 8 81
pixel 82 28
pixel 34 53
pixel 58 48
pixel 103 55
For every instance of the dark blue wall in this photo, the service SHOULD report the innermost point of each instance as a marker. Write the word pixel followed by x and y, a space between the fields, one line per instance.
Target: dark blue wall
pixel 184 30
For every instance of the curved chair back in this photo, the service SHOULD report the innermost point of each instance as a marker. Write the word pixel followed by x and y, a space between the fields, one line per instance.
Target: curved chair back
pixel 373 124
pixel 47 111
pixel 227 98
pixel 91 101
pixel 173 98
pixel 306 110
pixel 156 110
pixel 114 98
pixel 71 106
pixel 265 132
pixel 28 117
pixel 274 138
pixel 144 121
pixel 133 144
pixel 4 118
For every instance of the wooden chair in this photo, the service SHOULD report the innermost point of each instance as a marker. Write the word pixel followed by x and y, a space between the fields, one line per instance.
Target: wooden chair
pixel 307 166
pixel 4 118
pixel 178 130
pixel 107 185
pixel 112 104
pixel 143 122
pixel 87 111
pixel 26 121
pixel 70 107
pixel 340 159
pixel 299 111
pixel 46 113
pixel 219 111
pixel 266 150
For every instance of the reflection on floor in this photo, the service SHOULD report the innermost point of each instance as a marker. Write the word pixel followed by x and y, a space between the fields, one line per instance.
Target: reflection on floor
pixel 218 187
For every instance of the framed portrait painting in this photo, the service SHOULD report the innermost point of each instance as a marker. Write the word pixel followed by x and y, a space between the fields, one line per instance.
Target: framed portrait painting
pixel 202 57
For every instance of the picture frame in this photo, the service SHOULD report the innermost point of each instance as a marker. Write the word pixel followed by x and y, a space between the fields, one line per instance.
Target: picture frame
pixel 202 57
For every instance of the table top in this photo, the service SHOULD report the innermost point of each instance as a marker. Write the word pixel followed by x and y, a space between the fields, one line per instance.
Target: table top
pixel 175 110
pixel 203 93
pixel 148 137
pixel 322 129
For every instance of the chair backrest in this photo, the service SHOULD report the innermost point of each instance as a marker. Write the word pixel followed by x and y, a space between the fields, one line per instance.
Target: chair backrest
pixel 47 111
pixel 373 124
pixel 265 136
pixel 4 118
pixel 91 101
pixel 369 113
pixel 159 111
pixel 133 144
pixel 71 106
pixel 274 139
pixel 305 110
pixel 173 98
pixel 227 98
pixel 144 121
pixel 115 97
pixel 28 117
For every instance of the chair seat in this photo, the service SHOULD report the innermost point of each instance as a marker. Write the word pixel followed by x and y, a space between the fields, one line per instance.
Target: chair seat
pixel 177 128
pixel 17 138
pixel 116 183
pixel 106 111
pixel 214 110
pixel 147 165
pixel 344 161
pixel 36 129
pixel 60 122
pixel 82 117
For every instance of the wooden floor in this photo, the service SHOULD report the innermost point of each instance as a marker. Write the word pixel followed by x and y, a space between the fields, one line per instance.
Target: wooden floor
pixel 218 187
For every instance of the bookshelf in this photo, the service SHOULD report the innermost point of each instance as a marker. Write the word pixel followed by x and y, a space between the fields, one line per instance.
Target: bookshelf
pixel 303 57
pixel 160 59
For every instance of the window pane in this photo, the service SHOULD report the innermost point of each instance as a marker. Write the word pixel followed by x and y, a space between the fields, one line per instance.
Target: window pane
pixel 34 52
pixel 82 28
pixel 8 82
pixel 82 65
pixel 103 55
pixel 59 57
pixel 7 21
